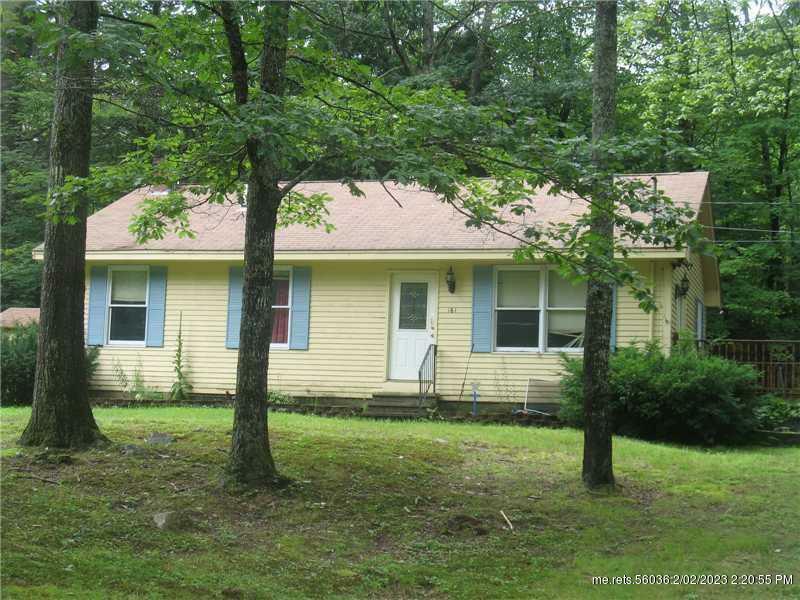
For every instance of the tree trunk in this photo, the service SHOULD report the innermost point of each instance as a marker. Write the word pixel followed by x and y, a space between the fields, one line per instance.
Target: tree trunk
pixel 251 461
pixel 61 415
pixel 396 46
pixel 597 461
pixel 427 36
pixel 481 53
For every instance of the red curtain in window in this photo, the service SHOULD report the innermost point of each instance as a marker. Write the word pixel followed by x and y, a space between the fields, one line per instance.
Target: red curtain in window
pixel 280 325
pixel 280 292
pixel 280 316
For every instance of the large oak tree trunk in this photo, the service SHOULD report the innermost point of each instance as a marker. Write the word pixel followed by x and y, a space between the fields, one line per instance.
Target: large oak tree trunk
pixel 61 414
pixel 250 460
pixel 597 462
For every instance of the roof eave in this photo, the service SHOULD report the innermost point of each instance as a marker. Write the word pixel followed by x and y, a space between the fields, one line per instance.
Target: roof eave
pixel 145 255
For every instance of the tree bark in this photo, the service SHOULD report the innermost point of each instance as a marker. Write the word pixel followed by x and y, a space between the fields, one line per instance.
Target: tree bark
pixel 396 46
pixel 61 415
pixel 597 451
pixel 250 461
pixel 481 53
pixel 427 36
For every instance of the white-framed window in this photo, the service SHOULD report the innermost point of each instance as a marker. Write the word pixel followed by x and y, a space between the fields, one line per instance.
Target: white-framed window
pixel 537 310
pixel 680 308
pixel 281 307
pixel 128 289
pixel 566 312
pixel 700 321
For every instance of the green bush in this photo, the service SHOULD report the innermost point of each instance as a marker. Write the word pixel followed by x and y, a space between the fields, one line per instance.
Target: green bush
pixel 776 413
pixel 18 364
pixel 687 397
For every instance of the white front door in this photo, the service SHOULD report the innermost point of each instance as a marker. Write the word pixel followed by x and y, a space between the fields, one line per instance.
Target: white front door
pixel 413 314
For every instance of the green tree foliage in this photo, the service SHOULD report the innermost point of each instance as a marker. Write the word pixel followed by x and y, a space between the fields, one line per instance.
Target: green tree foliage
pixel 29 37
pixel 710 82
pixel 723 78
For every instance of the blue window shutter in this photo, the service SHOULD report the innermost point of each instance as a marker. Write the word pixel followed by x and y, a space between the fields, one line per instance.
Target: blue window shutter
pixel 613 318
pixel 301 304
pixel 482 294
pixel 98 309
pixel 235 283
pixel 156 307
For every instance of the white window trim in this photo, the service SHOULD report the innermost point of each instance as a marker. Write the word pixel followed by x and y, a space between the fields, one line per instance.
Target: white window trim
pixel 543 308
pixel 284 346
pixel 109 306
pixel 496 308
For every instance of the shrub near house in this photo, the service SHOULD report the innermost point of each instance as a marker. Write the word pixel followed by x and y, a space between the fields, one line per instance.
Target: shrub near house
pixel 686 397
pixel 18 364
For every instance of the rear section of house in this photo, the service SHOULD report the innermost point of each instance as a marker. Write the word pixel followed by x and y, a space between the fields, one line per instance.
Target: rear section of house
pixel 371 308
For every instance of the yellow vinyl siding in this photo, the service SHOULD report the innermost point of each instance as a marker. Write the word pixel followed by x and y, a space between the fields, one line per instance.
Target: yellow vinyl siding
pixel 503 376
pixel 696 292
pixel 348 331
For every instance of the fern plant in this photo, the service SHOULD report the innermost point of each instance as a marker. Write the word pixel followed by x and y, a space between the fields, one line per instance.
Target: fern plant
pixel 181 388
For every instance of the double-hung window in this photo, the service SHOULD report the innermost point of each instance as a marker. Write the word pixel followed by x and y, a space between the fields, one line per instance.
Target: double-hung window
pixel 538 310
pixel 566 312
pixel 518 309
pixel 281 307
pixel 127 305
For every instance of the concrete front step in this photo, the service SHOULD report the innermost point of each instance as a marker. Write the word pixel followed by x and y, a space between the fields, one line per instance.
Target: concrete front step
pixel 401 400
pixel 398 405
pixel 395 412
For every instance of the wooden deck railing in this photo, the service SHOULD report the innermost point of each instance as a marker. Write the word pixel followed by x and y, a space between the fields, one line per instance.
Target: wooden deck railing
pixel 777 362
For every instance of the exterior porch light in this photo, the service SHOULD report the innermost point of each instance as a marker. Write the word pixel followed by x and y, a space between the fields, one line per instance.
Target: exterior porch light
pixel 682 287
pixel 450 278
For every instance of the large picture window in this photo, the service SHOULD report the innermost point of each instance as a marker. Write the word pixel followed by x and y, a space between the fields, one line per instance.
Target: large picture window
pixel 281 306
pixel 127 305
pixel 537 310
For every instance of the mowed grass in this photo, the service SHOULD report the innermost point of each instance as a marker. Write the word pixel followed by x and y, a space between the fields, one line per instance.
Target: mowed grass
pixel 389 510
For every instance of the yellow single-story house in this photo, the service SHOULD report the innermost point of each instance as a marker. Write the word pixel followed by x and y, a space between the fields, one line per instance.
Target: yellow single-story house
pixel 360 310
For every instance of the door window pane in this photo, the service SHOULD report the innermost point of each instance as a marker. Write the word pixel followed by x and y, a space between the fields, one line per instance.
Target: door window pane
pixel 562 293
pixel 128 287
pixel 517 328
pixel 413 305
pixel 565 328
pixel 128 323
pixel 517 289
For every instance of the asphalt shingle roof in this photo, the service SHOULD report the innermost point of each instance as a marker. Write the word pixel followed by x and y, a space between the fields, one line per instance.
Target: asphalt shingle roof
pixel 373 222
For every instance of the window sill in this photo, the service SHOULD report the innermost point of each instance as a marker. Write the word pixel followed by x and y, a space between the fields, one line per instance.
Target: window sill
pixel 126 344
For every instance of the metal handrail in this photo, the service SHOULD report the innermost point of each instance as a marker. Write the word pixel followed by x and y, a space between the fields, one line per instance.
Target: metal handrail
pixel 427 374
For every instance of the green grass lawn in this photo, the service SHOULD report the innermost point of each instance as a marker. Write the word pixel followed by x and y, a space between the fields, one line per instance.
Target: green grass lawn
pixel 389 510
